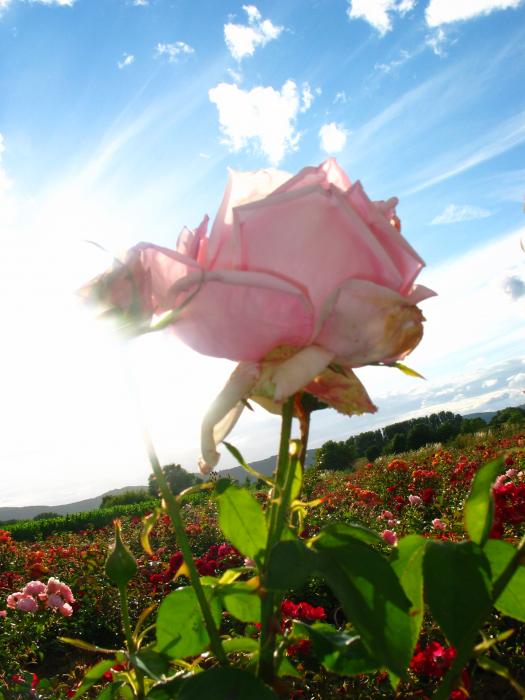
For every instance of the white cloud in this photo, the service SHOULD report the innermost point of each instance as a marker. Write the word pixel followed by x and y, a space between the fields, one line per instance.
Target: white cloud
pixel 340 97
pixel 127 60
pixel 514 286
pixel 4 4
pixel 379 13
pixel 454 213
pixel 140 3
pixel 387 68
pixel 235 75
pixel 437 41
pixel 242 39
pixel 517 380
pixel 332 137
pixel 444 11
pixel 173 51
pixel 262 117
pixel 7 202
pixel 307 97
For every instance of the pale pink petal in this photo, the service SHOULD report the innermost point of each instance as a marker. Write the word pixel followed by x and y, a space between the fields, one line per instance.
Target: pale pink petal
pixel 324 175
pixel 242 187
pixel 370 323
pixel 66 610
pixel 189 241
pixel 243 315
pixel 420 293
pixel 27 604
pixel 283 378
pixel 53 585
pixel 314 236
pixel 34 588
pixel 341 390
pixel 377 215
pixel 224 412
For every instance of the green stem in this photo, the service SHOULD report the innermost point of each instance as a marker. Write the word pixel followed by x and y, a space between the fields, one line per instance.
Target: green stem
pixel 128 634
pixel 173 508
pixel 276 520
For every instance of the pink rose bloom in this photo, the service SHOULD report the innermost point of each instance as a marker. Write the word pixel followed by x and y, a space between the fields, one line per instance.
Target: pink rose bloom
pixel 511 473
pixel 13 598
pixel 3 613
pixel 389 537
pixel 301 279
pixel 54 601
pixel 34 588
pixel 414 500
pixel 386 515
pixel 438 524
pixel 27 604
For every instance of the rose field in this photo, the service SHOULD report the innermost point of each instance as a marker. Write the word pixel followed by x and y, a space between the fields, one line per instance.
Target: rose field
pixel 60 639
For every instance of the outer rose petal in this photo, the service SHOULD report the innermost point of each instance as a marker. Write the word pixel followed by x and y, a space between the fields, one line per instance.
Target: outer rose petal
pixel 224 412
pixel 289 234
pixel 370 323
pixel 283 378
pixel 326 174
pixel 66 610
pixel 242 187
pixel 236 317
pixel 342 391
pixel 377 217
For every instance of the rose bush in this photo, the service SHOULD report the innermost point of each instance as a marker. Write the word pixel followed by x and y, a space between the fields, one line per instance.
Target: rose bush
pixel 301 279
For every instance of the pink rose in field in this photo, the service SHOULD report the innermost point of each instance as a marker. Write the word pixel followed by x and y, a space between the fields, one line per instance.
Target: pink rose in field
pixel 389 537
pixel 27 604
pixel 3 613
pixel 34 588
pixel 415 500
pixel 386 515
pixel 438 524
pixel 301 279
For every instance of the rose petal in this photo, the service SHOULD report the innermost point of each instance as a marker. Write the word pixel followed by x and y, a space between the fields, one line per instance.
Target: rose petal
pixel 225 411
pixel 342 391
pixel 242 187
pixel 377 216
pixel 291 375
pixel 292 233
pixel 244 315
pixel 326 174
pixel 369 323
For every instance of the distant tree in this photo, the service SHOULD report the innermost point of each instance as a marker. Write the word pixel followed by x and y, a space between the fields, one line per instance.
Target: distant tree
pixel 472 425
pixel 126 498
pixel 397 444
pixel 420 434
pixel 46 514
pixel 513 414
pixel 448 430
pixel 177 477
pixel 335 456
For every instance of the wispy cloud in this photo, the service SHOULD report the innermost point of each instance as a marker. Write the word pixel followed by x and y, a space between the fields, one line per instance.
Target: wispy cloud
pixel 502 138
pixel 243 39
pixel 454 213
pixel 140 3
pixel 444 11
pixel 263 117
pixel 438 40
pixel 173 52
pixel 379 13
pixel 332 137
pixel 126 60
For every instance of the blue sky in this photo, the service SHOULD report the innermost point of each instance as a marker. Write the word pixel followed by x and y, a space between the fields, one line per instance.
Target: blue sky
pixel 118 121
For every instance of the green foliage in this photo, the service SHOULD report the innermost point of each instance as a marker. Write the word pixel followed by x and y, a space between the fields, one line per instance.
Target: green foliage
pixel 479 506
pixel 126 498
pixel 513 415
pixel 242 520
pixel 180 630
pixel 121 565
pixel 457 584
pixel 176 476
pixel 511 602
pixel 45 515
pixel 335 456
pixel 225 684
pixel 75 522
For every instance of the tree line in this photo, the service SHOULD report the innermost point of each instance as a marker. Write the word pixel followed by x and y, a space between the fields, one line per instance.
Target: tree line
pixel 407 435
